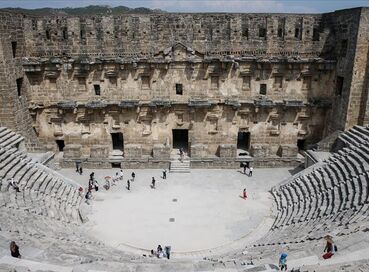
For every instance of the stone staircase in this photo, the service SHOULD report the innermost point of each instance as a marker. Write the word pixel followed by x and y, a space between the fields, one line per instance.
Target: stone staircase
pixel 177 166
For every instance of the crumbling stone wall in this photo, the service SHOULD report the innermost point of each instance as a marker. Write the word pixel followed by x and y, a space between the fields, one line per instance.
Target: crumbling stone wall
pixel 14 95
pixel 283 78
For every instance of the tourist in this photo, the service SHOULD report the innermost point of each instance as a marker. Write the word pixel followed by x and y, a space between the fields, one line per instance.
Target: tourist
pixel 330 248
pixel 181 154
pixel 80 191
pixel 152 253
pixel 13 184
pixel 80 170
pixel 121 174
pixel 153 183
pixel 117 178
pixel 14 250
pixel 244 194
pixel 167 251
pixel 88 196
pixel 92 175
pixel 283 261
pixel 133 176
pixel 244 168
pixel 159 252
pixel 250 171
pixel 96 185
pixel 164 174
pixel 77 166
pixel 128 185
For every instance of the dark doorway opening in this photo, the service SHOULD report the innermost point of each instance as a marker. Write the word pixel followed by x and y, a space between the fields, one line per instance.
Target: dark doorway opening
pixel 60 144
pixel 243 140
pixel 301 144
pixel 115 165
pixel 117 139
pixel 180 139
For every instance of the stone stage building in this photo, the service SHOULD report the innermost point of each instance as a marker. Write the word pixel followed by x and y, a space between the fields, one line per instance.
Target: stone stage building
pixel 130 90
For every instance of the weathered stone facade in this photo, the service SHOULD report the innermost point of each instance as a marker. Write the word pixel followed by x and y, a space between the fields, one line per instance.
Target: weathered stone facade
pixel 263 83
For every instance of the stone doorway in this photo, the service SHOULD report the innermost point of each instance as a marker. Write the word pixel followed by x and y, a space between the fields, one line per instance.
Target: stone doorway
pixel 117 140
pixel 60 144
pixel 243 141
pixel 180 139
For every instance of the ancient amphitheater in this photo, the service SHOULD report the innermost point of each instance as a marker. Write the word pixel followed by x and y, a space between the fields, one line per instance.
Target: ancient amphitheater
pixel 282 91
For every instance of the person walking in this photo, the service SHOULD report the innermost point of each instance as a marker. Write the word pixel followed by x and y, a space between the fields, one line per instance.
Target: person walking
pixel 283 262
pixel 133 175
pixel 164 174
pixel 80 170
pixel 128 185
pixel 121 174
pixel 244 194
pixel 153 183
pixel 250 171
pixel 14 250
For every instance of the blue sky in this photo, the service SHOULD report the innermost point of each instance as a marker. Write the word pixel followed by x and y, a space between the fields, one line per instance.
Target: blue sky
pixel 295 6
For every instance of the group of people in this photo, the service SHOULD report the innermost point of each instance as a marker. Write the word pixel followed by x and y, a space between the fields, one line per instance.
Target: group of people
pixel 247 169
pixel 111 181
pixel 160 253
pixel 329 250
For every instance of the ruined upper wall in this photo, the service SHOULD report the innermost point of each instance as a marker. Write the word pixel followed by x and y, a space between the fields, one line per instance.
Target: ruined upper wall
pixel 147 34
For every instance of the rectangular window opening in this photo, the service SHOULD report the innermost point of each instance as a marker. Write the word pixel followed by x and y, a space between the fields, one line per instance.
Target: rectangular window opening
pixel 14 49
pixel 19 86
pixel 245 32
pixel 214 84
pixel 145 81
pixel 179 89
pixel 343 48
pixel 97 89
pixel 65 33
pixel 48 34
pixel 278 82
pixel 306 83
pixel 246 80
pixel 263 89
pixel 297 33
pixel 339 85
pixel 262 32
pixel 83 34
pixel 316 35
pixel 280 32
pixel 60 144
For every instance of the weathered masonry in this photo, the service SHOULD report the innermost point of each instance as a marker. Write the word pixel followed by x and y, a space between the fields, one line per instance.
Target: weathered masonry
pixel 131 90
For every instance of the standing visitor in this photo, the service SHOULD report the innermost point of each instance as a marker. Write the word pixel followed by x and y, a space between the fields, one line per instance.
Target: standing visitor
pixel 80 170
pixel 133 176
pixel 283 261
pixel 14 250
pixel 250 171
pixel 77 166
pixel 244 194
pixel 164 174
pixel 153 183
pixel 121 174
pixel 128 185
pixel 244 168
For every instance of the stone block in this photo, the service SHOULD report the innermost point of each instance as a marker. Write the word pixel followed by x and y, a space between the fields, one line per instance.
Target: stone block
pixel 133 151
pixel 199 151
pixel 99 151
pixel 287 150
pixel 161 152
pixel 260 150
pixel 72 151
pixel 227 151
